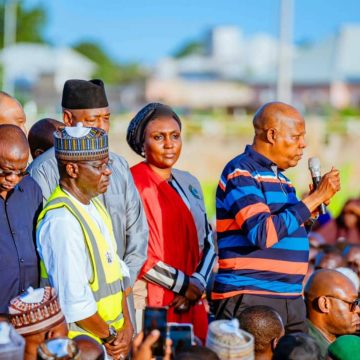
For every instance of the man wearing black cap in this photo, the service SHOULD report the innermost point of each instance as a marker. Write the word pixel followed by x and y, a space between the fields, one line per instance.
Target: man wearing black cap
pixel 86 102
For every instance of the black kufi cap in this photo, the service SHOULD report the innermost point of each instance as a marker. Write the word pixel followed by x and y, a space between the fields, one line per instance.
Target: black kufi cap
pixel 136 131
pixel 83 94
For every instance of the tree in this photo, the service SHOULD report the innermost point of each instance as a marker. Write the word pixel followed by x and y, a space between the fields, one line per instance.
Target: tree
pixel 30 28
pixel 109 70
pixel 190 48
pixel 29 25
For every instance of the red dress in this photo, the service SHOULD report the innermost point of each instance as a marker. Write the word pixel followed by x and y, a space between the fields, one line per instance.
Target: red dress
pixel 172 239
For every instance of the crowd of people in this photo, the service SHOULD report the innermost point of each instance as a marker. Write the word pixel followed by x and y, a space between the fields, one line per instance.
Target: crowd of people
pixel 87 243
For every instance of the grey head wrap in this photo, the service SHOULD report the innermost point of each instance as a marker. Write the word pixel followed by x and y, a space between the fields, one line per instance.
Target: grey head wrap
pixel 136 131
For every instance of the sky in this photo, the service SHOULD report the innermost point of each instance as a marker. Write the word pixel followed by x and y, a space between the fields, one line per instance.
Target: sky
pixel 147 30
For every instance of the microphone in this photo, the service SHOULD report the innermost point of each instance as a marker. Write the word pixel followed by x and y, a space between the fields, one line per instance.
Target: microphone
pixel 314 167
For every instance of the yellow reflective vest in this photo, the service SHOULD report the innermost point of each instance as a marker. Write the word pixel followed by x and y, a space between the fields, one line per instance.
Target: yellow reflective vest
pixel 106 280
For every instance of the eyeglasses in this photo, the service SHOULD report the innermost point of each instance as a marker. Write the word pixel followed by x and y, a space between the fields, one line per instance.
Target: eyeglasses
pixel 18 173
pixel 353 304
pixel 100 167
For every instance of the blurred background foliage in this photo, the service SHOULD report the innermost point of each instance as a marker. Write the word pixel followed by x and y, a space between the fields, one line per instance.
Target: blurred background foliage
pixel 200 124
pixel 109 70
pixel 30 23
pixel 30 26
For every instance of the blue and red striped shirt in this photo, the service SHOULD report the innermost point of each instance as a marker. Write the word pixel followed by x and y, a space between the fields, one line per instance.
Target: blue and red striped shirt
pixel 263 244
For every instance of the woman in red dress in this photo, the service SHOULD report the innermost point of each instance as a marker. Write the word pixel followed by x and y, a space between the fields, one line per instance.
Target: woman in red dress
pixel 180 251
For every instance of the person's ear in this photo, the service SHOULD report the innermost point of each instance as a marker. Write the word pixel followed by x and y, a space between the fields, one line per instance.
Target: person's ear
pixel 323 304
pixel 67 117
pixel 271 135
pixel 72 170
pixel 274 343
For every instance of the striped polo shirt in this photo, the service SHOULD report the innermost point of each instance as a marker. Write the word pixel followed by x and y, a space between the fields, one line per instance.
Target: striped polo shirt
pixel 263 244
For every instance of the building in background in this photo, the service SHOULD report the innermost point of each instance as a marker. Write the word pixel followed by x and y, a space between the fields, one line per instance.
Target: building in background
pixel 39 71
pixel 235 71
pixel 324 73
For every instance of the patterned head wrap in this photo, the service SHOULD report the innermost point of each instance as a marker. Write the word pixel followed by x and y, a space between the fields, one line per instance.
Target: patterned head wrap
pixel 80 143
pixel 136 131
pixel 35 311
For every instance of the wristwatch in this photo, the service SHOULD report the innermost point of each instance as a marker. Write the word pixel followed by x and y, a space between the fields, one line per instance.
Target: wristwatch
pixel 111 337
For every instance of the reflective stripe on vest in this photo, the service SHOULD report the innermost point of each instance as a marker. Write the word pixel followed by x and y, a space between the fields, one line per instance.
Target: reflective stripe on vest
pixel 75 330
pixel 106 281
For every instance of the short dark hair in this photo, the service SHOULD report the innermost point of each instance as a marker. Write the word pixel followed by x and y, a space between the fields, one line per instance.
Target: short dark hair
pixel 41 134
pixel 263 322
pixel 299 346
pixel 197 353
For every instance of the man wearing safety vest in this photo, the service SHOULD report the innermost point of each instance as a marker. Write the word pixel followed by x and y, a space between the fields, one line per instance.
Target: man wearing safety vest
pixel 76 243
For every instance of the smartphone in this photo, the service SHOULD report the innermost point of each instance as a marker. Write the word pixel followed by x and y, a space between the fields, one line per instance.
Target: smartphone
pixel 156 318
pixel 182 336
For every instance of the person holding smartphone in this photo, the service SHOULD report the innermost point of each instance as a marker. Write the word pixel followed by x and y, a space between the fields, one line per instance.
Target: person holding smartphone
pixel 181 251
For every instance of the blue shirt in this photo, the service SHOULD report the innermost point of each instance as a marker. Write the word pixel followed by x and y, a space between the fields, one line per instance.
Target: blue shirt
pixel 263 245
pixel 19 265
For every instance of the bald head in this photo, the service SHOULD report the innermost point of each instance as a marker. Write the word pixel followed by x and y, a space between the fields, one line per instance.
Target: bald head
pixel 264 323
pixel 11 112
pixel 13 141
pixel 41 136
pixel 331 302
pixel 279 134
pixel 327 282
pixel 14 154
pixel 273 114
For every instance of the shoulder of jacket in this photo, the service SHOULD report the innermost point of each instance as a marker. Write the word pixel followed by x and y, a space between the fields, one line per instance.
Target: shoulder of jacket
pixel 45 160
pixel 189 183
pixel 181 174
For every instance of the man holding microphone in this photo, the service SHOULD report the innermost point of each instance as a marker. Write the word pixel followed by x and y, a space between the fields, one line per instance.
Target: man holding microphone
pixel 263 245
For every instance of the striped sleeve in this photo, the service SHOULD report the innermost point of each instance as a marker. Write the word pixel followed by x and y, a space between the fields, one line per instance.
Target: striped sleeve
pixel 244 199
pixel 206 264
pixel 168 277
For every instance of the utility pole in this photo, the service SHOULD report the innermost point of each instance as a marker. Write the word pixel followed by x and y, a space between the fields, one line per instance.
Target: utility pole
pixel 285 58
pixel 9 39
